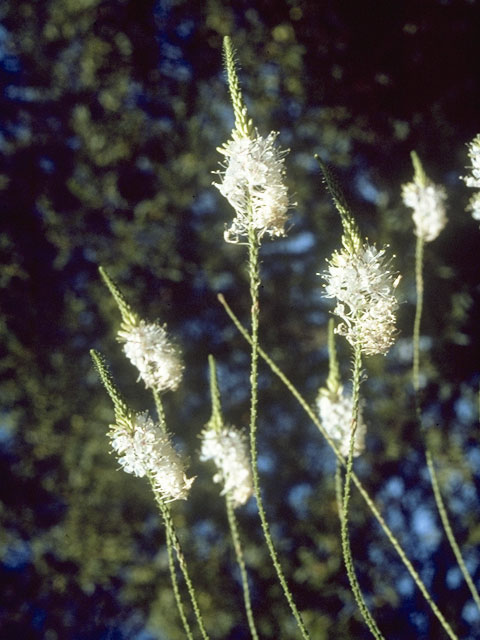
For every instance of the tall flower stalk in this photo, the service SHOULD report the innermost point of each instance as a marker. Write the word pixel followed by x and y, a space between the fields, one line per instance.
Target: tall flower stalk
pixel 359 278
pixel 428 209
pixel 341 461
pixel 426 199
pixel 349 414
pixel 253 184
pixel 226 448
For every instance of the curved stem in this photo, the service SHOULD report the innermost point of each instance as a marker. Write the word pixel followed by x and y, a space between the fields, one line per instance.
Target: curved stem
pixel 254 273
pixel 371 505
pixel 232 521
pixel 346 548
pixel 428 452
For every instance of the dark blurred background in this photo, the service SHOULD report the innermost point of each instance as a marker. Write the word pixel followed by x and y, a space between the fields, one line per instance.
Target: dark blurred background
pixel 111 112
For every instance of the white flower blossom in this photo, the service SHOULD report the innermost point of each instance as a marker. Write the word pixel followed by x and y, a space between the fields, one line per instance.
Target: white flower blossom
pixel 253 182
pixel 148 347
pixel 427 202
pixel 228 450
pixel 474 206
pixel 364 288
pixel 143 448
pixel 335 411
pixel 473 180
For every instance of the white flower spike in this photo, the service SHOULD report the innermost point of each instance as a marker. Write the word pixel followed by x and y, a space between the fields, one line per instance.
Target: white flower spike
pixel 254 184
pixel 144 449
pixel 428 204
pixel 473 180
pixel 364 286
pixel 148 347
pixel 228 449
pixel 335 411
pixel 253 176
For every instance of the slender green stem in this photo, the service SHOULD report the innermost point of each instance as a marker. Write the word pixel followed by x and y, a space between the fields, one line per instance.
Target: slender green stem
pixel 216 421
pixel 160 411
pixel 176 590
pixel 169 538
pixel 428 451
pixel 418 315
pixel 448 529
pixel 371 505
pixel 232 521
pixel 338 489
pixel 171 533
pixel 254 273
pixel 346 548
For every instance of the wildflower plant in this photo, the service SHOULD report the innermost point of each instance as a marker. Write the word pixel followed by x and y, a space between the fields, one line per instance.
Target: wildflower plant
pixel 432 211
pixel 362 283
pixel 256 217
pixel 360 280
pixel 227 448
pixel 144 449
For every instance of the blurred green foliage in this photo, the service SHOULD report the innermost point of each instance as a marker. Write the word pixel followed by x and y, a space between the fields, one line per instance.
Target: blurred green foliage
pixel 111 113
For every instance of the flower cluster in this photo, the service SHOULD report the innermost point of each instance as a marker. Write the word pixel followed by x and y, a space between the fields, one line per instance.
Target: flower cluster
pixel 253 183
pixel 228 449
pixel 144 449
pixel 335 411
pixel 473 180
pixel 427 201
pixel 148 347
pixel 363 285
